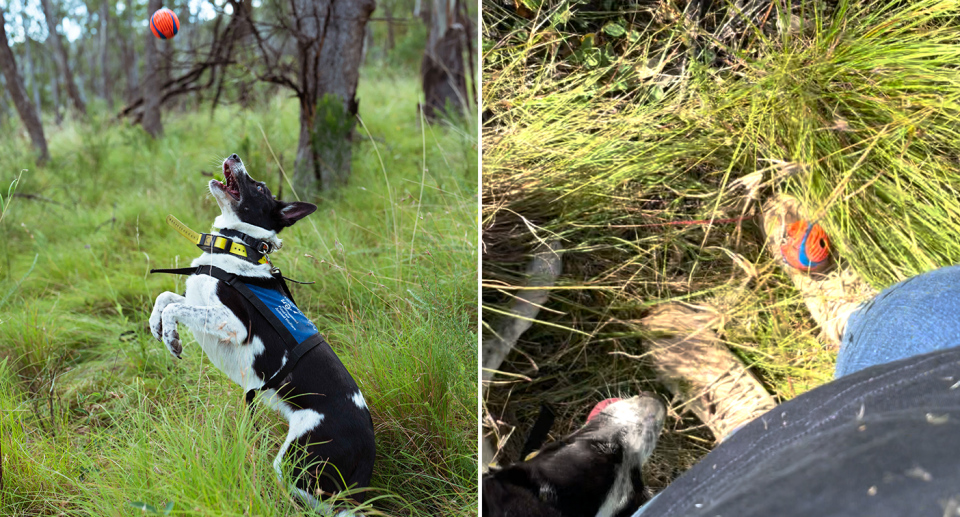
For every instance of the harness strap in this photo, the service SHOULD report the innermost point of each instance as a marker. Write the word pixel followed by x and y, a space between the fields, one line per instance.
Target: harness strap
pixel 296 350
pixel 180 271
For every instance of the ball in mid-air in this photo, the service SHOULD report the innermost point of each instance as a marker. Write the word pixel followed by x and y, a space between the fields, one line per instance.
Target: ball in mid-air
pixel 164 24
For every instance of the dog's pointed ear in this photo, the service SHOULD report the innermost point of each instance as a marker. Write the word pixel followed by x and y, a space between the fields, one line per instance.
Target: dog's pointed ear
pixel 293 212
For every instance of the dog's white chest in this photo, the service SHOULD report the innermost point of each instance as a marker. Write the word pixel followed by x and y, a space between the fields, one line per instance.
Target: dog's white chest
pixel 221 333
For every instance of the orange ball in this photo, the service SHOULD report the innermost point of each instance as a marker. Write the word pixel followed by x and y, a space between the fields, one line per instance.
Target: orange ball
pixel 807 247
pixel 164 24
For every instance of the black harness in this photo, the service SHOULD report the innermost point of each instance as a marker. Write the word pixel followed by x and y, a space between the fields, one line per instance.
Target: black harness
pixel 297 346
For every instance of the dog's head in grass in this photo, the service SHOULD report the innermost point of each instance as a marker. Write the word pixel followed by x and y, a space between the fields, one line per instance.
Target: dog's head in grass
pixel 248 206
pixel 593 471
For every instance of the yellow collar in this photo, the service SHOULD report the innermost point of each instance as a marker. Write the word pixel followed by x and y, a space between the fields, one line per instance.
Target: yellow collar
pixel 219 244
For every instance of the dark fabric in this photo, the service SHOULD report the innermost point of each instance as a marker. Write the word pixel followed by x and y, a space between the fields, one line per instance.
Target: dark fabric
pixel 884 442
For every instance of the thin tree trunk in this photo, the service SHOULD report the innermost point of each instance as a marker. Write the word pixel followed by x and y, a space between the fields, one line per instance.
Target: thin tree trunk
pixel 31 77
pixel 19 95
pixel 106 91
pixel 60 54
pixel 443 71
pixel 166 51
pixel 185 45
pixel 4 105
pixel 367 43
pixel 391 38
pixel 130 57
pixel 92 55
pixel 31 66
pixel 55 87
pixel 77 72
pixel 330 42
pixel 151 87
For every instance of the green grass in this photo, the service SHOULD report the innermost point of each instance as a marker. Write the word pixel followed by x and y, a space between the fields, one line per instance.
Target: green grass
pixel 96 415
pixel 599 140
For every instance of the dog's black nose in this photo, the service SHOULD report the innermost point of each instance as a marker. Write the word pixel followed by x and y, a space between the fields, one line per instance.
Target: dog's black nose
pixel 234 156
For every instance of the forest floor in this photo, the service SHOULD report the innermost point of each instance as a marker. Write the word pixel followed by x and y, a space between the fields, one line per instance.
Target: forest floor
pixel 97 419
pixel 643 140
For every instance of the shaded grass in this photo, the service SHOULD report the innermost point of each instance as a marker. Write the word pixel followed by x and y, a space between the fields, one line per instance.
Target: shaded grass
pixel 108 418
pixel 856 115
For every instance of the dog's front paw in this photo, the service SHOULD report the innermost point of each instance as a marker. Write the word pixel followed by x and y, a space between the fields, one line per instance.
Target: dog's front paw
pixel 156 326
pixel 168 329
pixel 171 339
pixel 156 317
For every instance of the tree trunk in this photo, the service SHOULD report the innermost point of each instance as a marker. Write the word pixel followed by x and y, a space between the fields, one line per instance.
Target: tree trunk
pixel 330 37
pixel 130 56
pixel 31 78
pixel 19 95
pixel 391 38
pixel 151 81
pixel 4 106
pixel 443 71
pixel 94 87
pixel 31 66
pixel 184 45
pixel 77 71
pixel 60 54
pixel 105 91
pixel 55 87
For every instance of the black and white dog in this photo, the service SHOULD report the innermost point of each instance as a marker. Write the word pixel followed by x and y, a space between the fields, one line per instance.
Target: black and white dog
pixel 328 415
pixel 595 471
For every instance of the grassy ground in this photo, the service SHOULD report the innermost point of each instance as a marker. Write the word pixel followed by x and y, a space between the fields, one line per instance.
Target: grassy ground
pixel 615 128
pixel 95 413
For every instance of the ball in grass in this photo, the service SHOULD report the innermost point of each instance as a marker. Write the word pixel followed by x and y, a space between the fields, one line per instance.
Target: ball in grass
pixel 807 247
pixel 164 24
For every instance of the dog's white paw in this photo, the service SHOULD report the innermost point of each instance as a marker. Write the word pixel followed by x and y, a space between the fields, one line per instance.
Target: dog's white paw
pixel 156 317
pixel 156 325
pixel 171 338
pixel 168 330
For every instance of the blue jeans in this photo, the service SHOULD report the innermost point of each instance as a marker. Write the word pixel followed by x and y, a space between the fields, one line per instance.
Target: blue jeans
pixel 914 317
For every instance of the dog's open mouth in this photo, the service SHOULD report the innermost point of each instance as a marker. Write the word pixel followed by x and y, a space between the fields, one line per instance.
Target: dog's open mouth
pixel 229 184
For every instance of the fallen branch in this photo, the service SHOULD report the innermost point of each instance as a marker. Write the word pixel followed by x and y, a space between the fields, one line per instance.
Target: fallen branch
pixel 36 197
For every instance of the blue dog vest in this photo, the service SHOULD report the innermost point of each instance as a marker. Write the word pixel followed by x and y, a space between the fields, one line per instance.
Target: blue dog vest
pixel 286 311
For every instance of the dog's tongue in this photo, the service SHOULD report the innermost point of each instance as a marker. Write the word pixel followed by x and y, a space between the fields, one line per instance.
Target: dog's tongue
pixel 600 407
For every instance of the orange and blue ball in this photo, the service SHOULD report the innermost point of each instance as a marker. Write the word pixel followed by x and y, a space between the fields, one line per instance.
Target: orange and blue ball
pixel 164 24
pixel 807 247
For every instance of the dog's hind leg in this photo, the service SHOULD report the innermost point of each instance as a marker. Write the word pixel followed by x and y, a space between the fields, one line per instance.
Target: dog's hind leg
pixel 302 422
